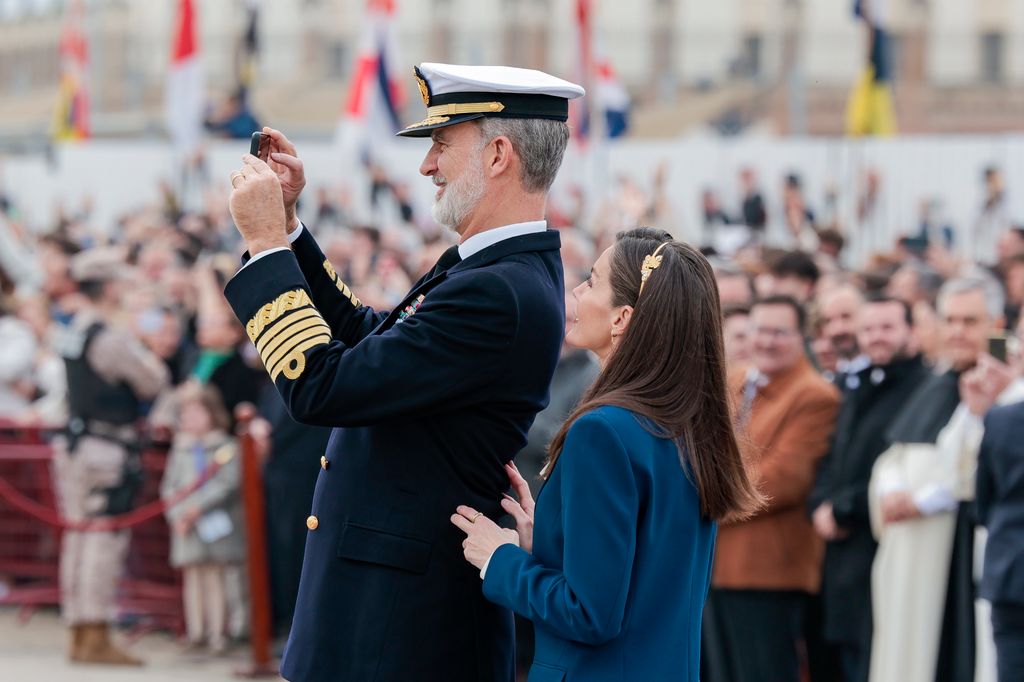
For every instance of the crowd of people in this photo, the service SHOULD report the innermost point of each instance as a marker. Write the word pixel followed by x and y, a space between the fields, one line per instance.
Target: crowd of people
pixel 861 397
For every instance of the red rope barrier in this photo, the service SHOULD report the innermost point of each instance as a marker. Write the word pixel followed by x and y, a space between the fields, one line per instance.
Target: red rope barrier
pixel 51 517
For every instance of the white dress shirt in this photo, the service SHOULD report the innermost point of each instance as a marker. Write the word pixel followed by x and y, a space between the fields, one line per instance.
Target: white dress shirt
pixel 481 240
pixel 292 236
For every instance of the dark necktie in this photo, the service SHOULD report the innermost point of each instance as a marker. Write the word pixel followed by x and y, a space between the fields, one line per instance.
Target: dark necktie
pixel 449 258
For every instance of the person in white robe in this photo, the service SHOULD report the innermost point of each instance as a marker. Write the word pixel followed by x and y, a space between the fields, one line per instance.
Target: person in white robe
pixel 916 490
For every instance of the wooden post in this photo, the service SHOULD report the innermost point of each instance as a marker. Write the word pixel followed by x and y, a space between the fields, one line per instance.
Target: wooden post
pixel 256 543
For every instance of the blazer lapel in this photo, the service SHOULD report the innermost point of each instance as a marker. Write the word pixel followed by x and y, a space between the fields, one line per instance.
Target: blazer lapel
pixel 409 299
pixel 540 241
pixel 549 240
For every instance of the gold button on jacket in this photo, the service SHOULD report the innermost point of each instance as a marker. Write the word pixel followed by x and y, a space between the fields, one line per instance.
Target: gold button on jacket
pixel 312 522
pixel 324 462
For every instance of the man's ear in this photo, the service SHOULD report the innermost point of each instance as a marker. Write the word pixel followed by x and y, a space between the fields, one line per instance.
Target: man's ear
pixel 498 156
pixel 621 320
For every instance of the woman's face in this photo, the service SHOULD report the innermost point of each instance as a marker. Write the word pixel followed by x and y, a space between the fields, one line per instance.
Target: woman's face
pixel 596 323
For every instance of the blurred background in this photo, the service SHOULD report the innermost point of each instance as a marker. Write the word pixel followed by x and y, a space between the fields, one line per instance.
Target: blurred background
pixel 872 144
pixel 700 88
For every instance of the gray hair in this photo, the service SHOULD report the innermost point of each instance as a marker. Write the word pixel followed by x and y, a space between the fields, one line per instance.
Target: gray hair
pixel 929 281
pixel 540 144
pixel 990 289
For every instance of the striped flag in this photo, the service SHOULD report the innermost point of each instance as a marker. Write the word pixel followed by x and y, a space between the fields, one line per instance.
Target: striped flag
pixel 579 109
pixel 371 113
pixel 71 119
pixel 869 110
pixel 613 99
pixel 607 97
pixel 184 98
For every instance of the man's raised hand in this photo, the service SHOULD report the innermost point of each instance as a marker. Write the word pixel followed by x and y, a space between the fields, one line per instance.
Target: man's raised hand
pixel 256 206
pixel 284 160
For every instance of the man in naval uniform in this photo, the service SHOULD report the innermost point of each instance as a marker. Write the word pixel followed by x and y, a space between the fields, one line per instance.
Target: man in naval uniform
pixel 429 400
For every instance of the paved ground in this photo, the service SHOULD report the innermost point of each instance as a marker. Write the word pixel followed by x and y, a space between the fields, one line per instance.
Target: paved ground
pixel 35 651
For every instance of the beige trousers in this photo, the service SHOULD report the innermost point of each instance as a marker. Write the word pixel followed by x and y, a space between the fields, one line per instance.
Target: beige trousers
pixel 91 563
pixel 205 604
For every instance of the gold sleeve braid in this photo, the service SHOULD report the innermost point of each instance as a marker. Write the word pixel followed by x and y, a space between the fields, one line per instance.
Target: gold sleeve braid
pixel 342 287
pixel 284 329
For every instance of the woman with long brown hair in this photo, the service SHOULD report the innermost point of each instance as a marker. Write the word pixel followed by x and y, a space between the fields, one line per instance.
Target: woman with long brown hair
pixel 615 569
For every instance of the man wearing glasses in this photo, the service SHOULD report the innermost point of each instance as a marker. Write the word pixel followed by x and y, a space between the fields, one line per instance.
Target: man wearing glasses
pixel 768 565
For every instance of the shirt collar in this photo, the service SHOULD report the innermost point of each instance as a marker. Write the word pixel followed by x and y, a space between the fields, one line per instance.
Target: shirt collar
pixel 768 386
pixel 480 241
pixel 854 365
pixel 755 378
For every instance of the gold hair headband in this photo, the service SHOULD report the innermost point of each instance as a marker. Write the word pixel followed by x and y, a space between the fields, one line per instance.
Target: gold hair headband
pixel 651 263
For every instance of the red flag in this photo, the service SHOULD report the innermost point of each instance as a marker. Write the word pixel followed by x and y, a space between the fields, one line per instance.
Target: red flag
pixel 184 98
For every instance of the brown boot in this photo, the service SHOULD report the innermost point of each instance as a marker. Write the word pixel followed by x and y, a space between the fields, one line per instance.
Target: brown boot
pixel 97 647
pixel 75 648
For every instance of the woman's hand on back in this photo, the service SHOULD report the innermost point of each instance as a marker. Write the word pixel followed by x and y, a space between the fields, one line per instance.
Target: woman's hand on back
pixel 483 536
pixel 521 510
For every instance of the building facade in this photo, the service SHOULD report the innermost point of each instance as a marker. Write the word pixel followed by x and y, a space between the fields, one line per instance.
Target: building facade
pixel 690 60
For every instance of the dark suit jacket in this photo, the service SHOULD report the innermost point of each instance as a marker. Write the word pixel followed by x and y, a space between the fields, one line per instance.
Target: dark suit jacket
pixel 1001 504
pixel 289 477
pixel 575 372
pixel 621 559
pixel 864 418
pixel 430 401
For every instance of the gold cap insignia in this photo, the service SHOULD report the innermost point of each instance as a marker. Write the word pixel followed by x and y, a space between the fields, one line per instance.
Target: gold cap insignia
pixel 422 84
pixel 429 121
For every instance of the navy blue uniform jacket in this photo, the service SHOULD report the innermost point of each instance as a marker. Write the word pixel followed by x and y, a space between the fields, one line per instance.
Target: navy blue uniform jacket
pixel 621 560
pixel 1000 503
pixel 429 401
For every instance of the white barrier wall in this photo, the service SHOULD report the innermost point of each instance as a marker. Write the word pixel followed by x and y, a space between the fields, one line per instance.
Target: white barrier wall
pixel 121 175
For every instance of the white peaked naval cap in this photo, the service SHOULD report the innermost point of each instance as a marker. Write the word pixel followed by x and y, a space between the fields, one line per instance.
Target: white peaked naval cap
pixel 455 93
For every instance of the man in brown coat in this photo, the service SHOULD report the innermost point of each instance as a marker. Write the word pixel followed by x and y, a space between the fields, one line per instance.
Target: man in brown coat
pixel 766 566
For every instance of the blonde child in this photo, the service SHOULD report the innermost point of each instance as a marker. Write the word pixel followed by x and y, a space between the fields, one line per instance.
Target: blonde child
pixel 207 539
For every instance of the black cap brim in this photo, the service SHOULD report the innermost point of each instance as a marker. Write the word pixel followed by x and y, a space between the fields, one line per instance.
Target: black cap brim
pixel 481 104
pixel 427 125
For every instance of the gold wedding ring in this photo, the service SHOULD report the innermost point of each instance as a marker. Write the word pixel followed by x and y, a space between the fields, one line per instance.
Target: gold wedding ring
pixel 476 516
pixel 234 175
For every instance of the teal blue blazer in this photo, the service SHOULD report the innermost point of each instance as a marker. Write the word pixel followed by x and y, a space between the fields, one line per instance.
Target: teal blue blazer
pixel 621 560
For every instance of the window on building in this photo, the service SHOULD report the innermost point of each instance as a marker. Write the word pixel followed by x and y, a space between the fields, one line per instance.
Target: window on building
pixel 750 57
pixel 897 47
pixel 442 31
pixel 992 70
pixel 337 60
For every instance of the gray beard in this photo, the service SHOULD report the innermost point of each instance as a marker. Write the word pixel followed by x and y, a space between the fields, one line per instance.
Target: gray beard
pixel 459 199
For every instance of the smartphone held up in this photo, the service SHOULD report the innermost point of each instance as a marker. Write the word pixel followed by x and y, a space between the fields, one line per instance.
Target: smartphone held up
pixel 259 146
pixel 997 346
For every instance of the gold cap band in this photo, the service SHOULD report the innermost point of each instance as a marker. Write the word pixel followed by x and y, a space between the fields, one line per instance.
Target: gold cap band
pixel 473 108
